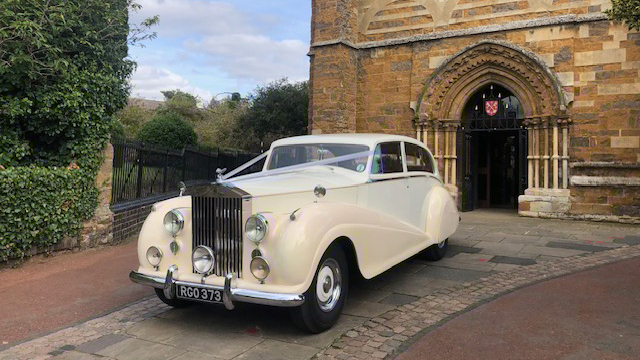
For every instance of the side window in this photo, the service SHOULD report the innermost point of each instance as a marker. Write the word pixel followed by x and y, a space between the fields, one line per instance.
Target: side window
pixel 387 159
pixel 418 159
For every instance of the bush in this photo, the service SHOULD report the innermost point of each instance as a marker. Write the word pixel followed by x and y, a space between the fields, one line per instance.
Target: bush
pixel 64 73
pixel 627 11
pixel 168 131
pixel 39 206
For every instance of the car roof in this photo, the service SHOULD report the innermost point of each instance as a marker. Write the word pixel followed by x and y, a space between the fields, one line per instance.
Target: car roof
pixel 360 139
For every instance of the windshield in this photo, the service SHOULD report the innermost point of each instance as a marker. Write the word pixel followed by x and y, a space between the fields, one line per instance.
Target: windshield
pixel 289 155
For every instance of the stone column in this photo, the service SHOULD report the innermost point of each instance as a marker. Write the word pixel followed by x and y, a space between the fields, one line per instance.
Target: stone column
pixel 536 152
pixel 555 153
pixel 454 157
pixel 546 152
pixel 446 153
pixel 436 150
pixel 565 153
pixel 425 134
pixel 529 126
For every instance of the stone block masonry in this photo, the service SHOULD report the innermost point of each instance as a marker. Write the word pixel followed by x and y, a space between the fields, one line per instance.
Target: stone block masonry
pixel 395 67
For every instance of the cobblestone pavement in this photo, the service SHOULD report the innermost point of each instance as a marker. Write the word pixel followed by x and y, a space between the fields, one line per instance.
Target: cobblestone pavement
pixel 492 253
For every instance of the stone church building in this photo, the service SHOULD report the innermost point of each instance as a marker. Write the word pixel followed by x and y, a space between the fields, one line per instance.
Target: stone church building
pixel 526 104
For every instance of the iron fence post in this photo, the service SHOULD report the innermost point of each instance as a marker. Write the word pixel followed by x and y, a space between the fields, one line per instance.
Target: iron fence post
pixel 184 164
pixel 209 165
pixel 140 172
pixel 166 167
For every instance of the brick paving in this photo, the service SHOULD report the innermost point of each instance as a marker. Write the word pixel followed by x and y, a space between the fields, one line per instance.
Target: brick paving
pixel 492 253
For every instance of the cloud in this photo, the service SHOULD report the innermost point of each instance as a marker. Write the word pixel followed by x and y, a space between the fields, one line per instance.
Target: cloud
pixel 220 45
pixel 149 81
pixel 183 17
pixel 256 58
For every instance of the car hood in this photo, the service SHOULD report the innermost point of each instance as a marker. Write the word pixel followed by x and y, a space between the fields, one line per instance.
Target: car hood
pixel 297 181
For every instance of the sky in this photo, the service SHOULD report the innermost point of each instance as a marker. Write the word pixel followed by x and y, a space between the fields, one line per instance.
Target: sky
pixel 211 47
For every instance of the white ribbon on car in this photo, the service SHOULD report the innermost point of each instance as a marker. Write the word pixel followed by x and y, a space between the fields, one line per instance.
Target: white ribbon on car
pixel 292 167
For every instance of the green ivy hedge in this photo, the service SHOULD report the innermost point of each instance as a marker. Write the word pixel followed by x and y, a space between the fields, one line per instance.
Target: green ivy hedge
pixel 39 206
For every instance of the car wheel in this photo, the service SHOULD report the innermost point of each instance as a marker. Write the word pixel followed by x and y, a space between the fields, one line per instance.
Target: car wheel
pixel 176 303
pixel 437 251
pixel 326 296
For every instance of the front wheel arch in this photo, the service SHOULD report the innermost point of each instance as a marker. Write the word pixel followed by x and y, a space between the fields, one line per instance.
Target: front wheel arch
pixel 352 256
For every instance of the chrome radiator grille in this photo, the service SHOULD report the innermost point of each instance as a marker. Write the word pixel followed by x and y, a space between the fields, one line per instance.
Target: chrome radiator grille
pixel 217 223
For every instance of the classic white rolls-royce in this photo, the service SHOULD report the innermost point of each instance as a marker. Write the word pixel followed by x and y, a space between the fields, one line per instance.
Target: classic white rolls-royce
pixel 322 206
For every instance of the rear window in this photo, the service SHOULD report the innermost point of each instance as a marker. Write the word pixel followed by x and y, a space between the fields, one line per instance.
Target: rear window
pixel 418 159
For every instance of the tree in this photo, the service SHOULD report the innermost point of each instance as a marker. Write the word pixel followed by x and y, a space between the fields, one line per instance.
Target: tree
pixel 183 103
pixel 277 110
pixel 169 131
pixel 132 118
pixel 627 11
pixel 218 129
pixel 63 75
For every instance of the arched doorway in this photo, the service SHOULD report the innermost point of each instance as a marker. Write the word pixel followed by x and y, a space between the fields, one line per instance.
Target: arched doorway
pixel 494 149
pixel 447 104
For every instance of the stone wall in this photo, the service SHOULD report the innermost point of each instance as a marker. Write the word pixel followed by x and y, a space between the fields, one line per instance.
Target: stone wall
pixel 97 230
pixel 395 47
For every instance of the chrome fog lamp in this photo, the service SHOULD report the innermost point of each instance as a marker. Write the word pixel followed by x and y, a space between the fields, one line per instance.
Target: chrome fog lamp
pixel 173 222
pixel 260 268
pixel 202 259
pixel 154 256
pixel 256 228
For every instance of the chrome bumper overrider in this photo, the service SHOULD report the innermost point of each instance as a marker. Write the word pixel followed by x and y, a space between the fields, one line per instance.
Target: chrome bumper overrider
pixel 230 295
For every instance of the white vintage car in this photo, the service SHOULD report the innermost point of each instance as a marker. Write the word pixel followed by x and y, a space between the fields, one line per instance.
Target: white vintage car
pixel 323 207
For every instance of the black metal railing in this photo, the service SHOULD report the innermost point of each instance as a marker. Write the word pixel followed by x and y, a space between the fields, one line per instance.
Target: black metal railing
pixel 141 171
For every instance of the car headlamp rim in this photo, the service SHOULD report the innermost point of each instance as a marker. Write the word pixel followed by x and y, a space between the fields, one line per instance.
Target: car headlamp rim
pixel 173 222
pixel 257 236
pixel 198 252
pixel 260 273
pixel 151 258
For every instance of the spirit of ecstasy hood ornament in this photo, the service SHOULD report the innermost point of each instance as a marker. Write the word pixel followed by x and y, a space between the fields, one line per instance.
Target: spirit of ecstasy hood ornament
pixel 219 173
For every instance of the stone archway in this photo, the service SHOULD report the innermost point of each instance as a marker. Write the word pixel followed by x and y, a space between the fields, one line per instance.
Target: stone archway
pixel 448 89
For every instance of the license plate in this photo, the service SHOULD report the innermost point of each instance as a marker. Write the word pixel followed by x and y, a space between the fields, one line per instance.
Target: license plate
pixel 199 294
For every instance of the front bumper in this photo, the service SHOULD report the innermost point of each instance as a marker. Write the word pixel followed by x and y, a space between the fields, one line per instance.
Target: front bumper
pixel 230 295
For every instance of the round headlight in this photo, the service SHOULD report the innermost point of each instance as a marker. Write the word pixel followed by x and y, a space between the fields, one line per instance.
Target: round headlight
pixel 154 256
pixel 256 228
pixel 173 222
pixel 260 268
pixel 202 259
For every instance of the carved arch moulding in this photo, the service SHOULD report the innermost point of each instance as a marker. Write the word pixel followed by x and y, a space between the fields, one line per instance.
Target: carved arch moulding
pixel 447 90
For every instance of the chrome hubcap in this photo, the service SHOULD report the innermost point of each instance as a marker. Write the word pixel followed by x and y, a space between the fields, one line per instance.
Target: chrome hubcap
pixel 328 285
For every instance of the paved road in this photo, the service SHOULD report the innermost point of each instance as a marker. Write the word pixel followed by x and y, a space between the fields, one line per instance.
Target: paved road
pixel 64 289
pixel 47 293
pixel 590 315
